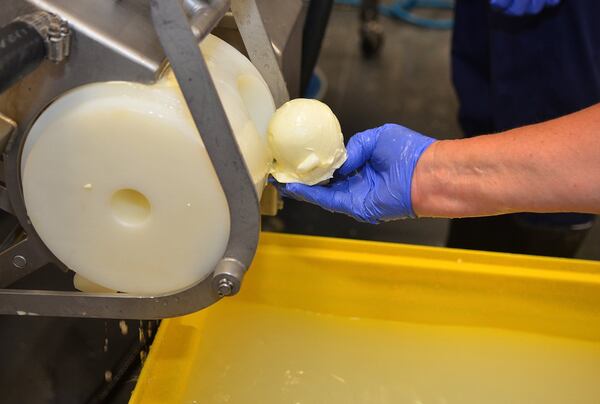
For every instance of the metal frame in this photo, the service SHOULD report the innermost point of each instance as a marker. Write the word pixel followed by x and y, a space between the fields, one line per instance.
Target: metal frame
pixel 178 34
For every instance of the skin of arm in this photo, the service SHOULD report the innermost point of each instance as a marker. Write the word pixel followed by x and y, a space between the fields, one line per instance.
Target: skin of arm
pixel 548 167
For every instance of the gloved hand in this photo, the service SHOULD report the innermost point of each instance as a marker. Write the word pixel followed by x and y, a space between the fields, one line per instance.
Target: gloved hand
pixel 374 184
pixel 522 7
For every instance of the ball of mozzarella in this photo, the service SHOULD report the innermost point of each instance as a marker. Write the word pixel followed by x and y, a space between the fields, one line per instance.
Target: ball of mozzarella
pixel 306 141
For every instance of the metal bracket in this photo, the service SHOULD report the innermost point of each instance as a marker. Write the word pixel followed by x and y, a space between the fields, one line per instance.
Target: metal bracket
pixel 196 84
pixel 260 49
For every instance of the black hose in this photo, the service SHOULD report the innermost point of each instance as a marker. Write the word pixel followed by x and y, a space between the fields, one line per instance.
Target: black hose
pixel 130 363
pixel 317 18
pixel 22 49
pixel 125 365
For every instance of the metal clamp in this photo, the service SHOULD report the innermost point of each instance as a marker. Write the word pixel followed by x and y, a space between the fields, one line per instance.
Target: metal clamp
pixel 54 30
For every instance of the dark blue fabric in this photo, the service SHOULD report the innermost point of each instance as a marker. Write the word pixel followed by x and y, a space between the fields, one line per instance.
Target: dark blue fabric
pixel 514 71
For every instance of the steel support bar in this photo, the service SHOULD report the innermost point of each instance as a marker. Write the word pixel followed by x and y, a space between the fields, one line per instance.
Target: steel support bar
pixel 260 48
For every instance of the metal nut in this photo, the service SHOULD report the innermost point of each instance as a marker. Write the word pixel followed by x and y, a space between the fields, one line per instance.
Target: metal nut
pixel 19 261
pixel 225 287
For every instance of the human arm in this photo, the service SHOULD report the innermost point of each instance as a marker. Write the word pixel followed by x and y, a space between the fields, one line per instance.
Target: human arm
pixel 548 167
pixel 393 172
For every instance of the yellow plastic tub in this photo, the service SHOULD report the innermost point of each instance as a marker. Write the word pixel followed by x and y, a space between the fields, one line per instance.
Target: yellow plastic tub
pixel 323 320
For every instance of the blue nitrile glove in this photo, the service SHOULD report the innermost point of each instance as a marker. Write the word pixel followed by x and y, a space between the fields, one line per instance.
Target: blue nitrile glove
pixel 373 185
pixel 522 7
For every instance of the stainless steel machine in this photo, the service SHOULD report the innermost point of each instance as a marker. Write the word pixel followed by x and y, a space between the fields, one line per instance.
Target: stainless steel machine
pixel 89 41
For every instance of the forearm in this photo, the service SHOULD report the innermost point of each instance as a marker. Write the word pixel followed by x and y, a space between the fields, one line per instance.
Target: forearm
pixel 549 167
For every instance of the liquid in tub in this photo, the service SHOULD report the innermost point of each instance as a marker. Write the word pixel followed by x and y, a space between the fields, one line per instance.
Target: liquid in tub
pixel 267 354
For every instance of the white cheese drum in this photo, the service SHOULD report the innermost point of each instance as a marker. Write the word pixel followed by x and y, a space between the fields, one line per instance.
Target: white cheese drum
pixel 118 183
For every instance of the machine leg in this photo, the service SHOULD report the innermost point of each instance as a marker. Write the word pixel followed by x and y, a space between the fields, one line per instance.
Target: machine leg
pixel 371 30
pixel 314 30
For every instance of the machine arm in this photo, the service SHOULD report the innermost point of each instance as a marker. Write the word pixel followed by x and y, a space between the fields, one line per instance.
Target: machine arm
pixel 187 62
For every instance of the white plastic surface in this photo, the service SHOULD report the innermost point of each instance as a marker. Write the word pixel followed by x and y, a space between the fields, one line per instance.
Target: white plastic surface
pixel 307 142
pixel 85 285
pixel 119 186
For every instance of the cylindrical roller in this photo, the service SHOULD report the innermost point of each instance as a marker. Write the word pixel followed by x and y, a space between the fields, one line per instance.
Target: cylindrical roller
pixel 119 186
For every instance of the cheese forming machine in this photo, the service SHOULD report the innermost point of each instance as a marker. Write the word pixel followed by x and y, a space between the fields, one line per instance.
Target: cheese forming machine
pixel 49 48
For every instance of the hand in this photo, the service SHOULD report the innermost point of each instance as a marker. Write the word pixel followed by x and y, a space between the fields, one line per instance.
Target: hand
pixel 374 184
pixel 522 7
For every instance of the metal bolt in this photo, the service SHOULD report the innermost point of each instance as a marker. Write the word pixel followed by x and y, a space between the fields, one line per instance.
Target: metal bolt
pixel 19 261
pixel 54 30
pixel 224 287
pixel 64 28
